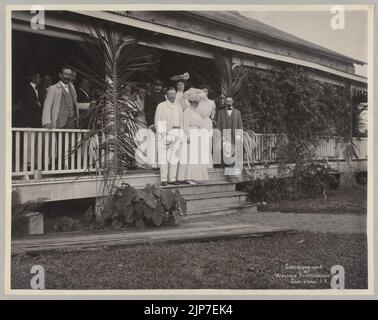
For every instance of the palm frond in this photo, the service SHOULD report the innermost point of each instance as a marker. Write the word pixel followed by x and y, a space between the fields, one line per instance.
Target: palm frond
pixel 112 59
pixel 249 145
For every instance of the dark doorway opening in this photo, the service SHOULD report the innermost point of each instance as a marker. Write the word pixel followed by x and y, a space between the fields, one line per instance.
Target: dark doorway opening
pixel 44 54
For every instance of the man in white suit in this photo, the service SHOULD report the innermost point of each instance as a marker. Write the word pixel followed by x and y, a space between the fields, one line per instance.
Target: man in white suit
pixel 60 109
pixel 168 121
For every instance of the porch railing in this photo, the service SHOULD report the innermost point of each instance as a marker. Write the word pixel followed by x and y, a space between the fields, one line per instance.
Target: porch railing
pixel 331 148
pixel 266 147
pixel 54 151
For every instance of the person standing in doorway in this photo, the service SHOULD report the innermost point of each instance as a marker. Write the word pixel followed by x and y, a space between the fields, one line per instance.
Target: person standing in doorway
pixel 74 79
pixel 83 92
pixel 152 100
pixel 31 114
pixel 46 82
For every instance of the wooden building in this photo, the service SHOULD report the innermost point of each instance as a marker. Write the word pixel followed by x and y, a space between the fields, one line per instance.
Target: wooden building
pixel 188 38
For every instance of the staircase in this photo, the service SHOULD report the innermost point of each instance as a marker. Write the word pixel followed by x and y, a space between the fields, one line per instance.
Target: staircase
pixel 216 196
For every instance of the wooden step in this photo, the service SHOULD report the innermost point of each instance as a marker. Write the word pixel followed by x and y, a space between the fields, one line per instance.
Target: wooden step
pixel 220 211
pixel 153 177
pixel 196 202
pixel 216 174
pixel 211 186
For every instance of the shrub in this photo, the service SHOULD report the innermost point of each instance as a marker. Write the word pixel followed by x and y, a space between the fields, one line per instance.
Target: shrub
pixel 151 206
pixel 309 180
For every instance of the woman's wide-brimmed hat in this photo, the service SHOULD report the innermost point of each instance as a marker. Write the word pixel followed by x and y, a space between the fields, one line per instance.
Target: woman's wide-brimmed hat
pixel 194 94
pixel 180 77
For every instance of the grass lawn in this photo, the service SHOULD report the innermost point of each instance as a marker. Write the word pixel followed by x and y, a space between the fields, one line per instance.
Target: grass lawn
pixel 352 201
pixel 251 263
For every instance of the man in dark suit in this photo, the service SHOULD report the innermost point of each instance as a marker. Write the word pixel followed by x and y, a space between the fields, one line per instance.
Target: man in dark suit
pixel 151 102
pixel 229 118
pixel 83 92
pixel 31 116
pixel 46 83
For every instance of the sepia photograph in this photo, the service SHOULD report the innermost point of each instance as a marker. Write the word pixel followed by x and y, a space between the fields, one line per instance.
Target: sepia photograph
pixel 189 148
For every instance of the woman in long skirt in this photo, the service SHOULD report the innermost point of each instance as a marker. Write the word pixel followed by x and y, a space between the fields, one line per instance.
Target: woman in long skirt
pixel 193 165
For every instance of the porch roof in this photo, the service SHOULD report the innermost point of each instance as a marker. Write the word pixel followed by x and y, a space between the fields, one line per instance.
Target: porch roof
pixel 242 35
pixel 244 23
pixel 197 31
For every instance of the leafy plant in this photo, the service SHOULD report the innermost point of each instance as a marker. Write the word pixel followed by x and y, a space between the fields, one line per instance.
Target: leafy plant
pixel 151 206
pixel 313 179
pixel 308 181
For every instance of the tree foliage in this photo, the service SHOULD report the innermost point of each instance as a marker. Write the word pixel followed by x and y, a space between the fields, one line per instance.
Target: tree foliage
pixel 286 100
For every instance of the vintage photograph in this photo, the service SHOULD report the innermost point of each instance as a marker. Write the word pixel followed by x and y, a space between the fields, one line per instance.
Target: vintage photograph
pixel 189 148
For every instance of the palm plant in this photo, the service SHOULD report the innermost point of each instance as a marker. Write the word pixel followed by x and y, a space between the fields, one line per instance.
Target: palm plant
pixel 113 120
pixel 227 84
pixel 249 143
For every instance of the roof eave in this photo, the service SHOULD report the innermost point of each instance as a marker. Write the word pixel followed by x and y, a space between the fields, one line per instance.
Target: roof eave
pixel 337 56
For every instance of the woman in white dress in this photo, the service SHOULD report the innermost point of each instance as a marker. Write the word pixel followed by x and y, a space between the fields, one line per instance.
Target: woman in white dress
pixel 207 109
pixel 191 168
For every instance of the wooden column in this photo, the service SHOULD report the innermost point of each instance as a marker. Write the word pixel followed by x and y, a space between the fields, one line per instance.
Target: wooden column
pixel 349 94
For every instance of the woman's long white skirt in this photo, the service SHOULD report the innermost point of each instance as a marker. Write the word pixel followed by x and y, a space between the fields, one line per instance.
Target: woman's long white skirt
pixel 192 166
